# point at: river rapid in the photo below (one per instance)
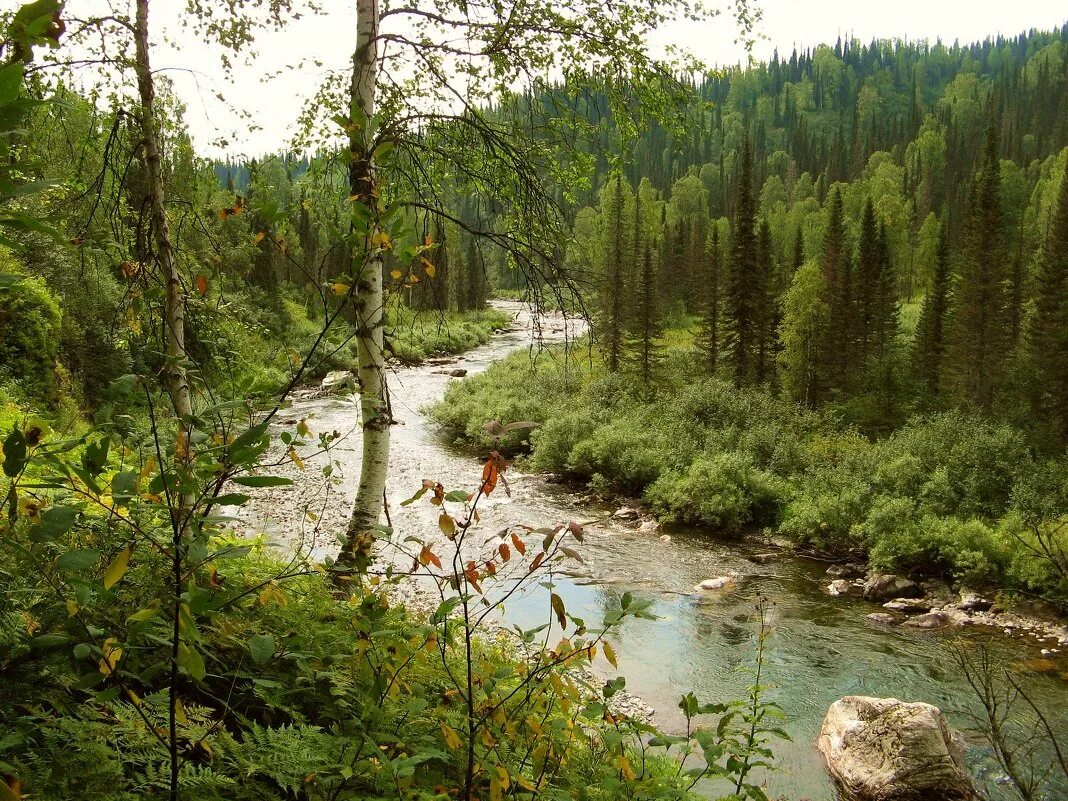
(821, 649)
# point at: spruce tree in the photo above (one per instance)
(930, 331)
(1048, 333)
(616, 235)
(740, 324)
(978, 335)
(868, 268)
(764, 304)
(707, 337)
(836, 266)
(646, 327)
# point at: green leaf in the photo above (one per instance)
(232, 499)
(144, 615)
(262, 648)
(77, 560)
(124, 486)
(190, 660)
(14, 453)
(54, 522)
(50, 641)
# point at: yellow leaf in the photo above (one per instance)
(112, 656)
(381, 240)
(72, 607)
(396, 274)
(447, 525)
(429, 267)
(624, 767)
(10, 792)
(117, 568)
(339, 288)
(260, 236)
(179, 713)
(610, 655)
(296, 458)
(452, 739)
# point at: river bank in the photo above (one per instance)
(823, 648)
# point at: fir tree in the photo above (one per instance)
(836, 267)
(978, 335)
(707, 337)
(615, 233)
(763, 295)
(740, 323)
(930, 331)
(1048, 333)
(646, 327)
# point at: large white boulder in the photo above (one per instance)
(883, 749)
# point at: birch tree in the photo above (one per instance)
(450, 98)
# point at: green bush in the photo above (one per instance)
(726, 491)
(30, 321)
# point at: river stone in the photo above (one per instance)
(883, 749)
(665, 538)
(840, 587)
(338, 381)
(882, 586)
(932, 620)
(649, 527)
(910, 606)
(459, 372)
(626, 513)
(717, 583)
(845, 571)
(973, 602)
(885, 618)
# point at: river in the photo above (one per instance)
(821, 649)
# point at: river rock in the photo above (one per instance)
(717, 583)
(883, 749)
(665, 538)
(882, 586)
(625, 513)
(338, 381)
(973, 602)
(649, 527)
(845, 571)
(840, 587)
(910, 606)
(931, 620)
(885, 618)
(459, 372)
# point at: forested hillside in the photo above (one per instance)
(833, 304)
(871, 225)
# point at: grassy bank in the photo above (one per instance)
(949, 495)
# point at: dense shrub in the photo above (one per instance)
(937, 496)
(30, 320)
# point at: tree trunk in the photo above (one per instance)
(174, 308)
(369, 296)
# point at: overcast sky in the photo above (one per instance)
(276, 103)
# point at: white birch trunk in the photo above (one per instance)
(369, 298)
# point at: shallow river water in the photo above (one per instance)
(822, 648)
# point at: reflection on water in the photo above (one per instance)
(822, 648)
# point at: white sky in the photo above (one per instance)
(276, 103)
